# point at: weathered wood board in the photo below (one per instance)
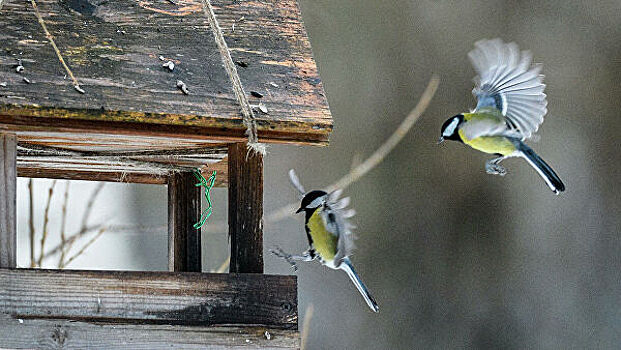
(150, 297)
(8, 191)
(184, 209)
(113, 48)
(245, 210)
(18, 333)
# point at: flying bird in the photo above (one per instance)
(329, 234)
(510, 107)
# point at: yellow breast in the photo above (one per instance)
(490, 144)
(324, 242)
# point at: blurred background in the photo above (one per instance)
(456, 258)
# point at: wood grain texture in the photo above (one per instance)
(245, 209)
(62, 334)
(114, 171)
(150, 297)
(8, 183)
(113, 47)
(184, 210)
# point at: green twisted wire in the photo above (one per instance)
(207, 184)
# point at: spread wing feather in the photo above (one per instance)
(506, 81)
(335, 218)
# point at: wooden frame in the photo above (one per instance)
(133, 124)
(77, 309)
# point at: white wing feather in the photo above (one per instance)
(507, 81)
(295, 181)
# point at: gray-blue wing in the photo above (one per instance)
(335, 216)
(507, 81)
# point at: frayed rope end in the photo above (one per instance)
(256, 148)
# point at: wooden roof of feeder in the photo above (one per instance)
(132, 107)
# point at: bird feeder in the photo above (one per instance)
(137, 91)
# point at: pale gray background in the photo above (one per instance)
(456, 258)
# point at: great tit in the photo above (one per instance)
(329, 234)
(510, 107)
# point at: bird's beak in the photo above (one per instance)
(441, 140)
(299, 210)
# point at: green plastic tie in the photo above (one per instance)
(207, 184)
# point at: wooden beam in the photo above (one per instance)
(79, 172)
(8, 183)
(109, 176)
(184, 210)
(150, 297)
(245, 209)
(61, 334)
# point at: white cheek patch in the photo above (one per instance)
(450, 129)
(316, 202)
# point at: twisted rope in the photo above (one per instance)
(225, 54)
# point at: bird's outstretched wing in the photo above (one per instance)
(507, 81)
(335, 216)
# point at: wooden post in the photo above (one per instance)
(184, 210)
(8, 182)
(245, 209)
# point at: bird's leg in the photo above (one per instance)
(493, 166)
(308, 255)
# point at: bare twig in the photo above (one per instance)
(46, 219)
(109, 229)
(83, 249)
(63, 222)
(308, 316)
(359, 171)
(85, 217)
(31, 235)
(225, 265)
(71, 240)
(361, 168)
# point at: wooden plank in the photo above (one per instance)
(150, 297)
(113, 48)
(62, 334)
(109, 176)
(245, 209)
(55, 169)
(8, 183)
(184, 210)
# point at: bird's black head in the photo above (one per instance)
(312, 200)
(450, 128)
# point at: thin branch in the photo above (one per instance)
(359, 171)
(46, 219)
(225, 265)
(120, 228)
(31, 227)
(85, 217)
(63, 222)
(88, 244)
(308, 316)
(50, 38)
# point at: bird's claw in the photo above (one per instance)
(278, 252)
(495, 169)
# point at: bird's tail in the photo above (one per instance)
(546, 172)
(347, 267)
